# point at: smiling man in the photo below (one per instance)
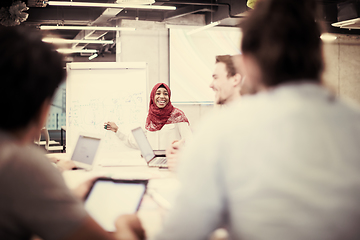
(228, 85)
(227, 80)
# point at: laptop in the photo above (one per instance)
(153, 158)
(85, 151)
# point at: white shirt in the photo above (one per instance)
(283, 164)
(160, 140)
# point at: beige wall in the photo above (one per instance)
(149, 43)
(195, 112)
(342, 69)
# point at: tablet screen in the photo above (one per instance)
(109, 199)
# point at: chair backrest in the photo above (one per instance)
(44, 132)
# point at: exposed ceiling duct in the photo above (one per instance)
(348, 15)
(102, 20)
(338, 15)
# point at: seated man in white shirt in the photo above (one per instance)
(228, 85)
(280, 164)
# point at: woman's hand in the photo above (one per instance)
(111, 126)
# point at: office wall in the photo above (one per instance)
(149, 43)
(342, 72)
(195, 112)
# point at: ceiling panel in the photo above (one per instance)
(229, 12)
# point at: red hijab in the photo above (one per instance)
(158, 117)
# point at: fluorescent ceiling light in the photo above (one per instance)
(109, 5)
(86, 28)
(93, 56)
(350, 24)
(327, 37)
(203, 28)
(80, 50)
(136, 1)
(60, 40)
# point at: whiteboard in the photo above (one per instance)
(99, 92)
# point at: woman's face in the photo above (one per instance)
(161, 98)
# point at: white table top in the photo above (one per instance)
(161, 191)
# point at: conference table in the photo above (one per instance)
(161, 190)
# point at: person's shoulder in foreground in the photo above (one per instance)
(34, 198)
(281, 151)
(282, 164)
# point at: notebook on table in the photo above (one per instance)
(153, 159)
(85, 151)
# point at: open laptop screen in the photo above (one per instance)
(143, 143)
(85, 149)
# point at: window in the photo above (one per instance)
(57, 116)
(192, 60)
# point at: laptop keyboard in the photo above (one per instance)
(160, 161)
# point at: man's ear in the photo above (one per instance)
(237, 80)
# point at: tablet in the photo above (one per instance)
(110, 198)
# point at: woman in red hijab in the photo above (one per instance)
(164, 123)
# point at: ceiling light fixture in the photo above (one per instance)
(60, 40)
(203, 28)
(136, 1)
(350, 24)
(69, 50)
(86, 28)
(93, 56)
(328, 37)
(251, 3)
(109, 5)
